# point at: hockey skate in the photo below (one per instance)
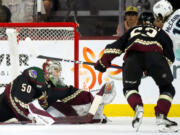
(166, 125)
(137, 121)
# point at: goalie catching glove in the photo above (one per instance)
(109, 93)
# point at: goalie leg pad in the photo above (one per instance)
(99, 113)
(55, 112)
(65, 109)
(95, 104)
(104, 96)
(82, 110)
(109, 93)
(37, 113)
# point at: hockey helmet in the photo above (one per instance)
(146, 17)
(163, 9)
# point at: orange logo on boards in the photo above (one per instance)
(90, 77)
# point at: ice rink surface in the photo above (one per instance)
(117, 126)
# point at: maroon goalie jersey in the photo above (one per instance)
(31, 85)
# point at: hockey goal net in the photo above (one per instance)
(22, 42)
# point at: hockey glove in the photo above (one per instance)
(99, 66)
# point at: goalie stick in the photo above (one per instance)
(61, 120)
(72, 61)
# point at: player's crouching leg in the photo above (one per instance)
(84, 103)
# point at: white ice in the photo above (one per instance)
(117, 126)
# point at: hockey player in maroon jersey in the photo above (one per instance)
(40, 95)
(147, 49)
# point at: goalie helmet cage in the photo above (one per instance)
(46, 31)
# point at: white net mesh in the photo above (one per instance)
(43, 33)
(54, 41)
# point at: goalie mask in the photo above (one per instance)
(53, 70)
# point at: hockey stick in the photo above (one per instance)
(121, 78)
(72, 61)
(114, 77)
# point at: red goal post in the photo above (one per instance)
(44, 32)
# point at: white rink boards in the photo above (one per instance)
(90, 50)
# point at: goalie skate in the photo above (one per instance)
(137, 121)
(166, 125)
